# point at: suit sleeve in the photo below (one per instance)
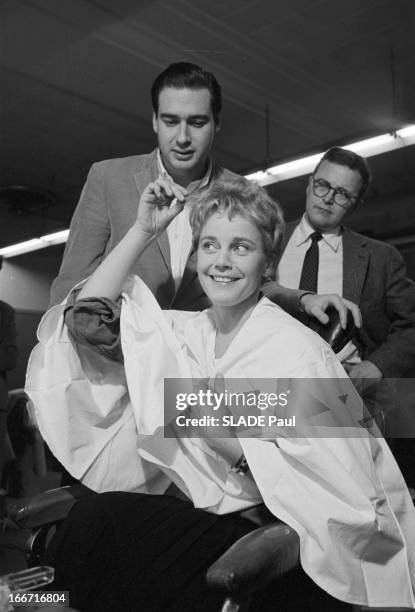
(395, 356)
(88, 237)
(95, 322)
(8, 335)
(287, 299)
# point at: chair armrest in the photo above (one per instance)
(255, 560)
(333, 333)
(47, 507)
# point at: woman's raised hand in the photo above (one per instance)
(160, 202)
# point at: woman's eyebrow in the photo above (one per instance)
(243, 239)
(209, 237)
(234, 239)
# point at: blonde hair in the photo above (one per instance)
(238, 196)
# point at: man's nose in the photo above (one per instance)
(329, 197)
(183, 135)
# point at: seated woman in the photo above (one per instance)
(102, 408)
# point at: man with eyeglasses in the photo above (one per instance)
(320, 251)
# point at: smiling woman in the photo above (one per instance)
(237, 232)
(102, 412)
(231, 261)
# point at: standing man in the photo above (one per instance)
(186, 109)
(186, 104)
(323, 255)
(366, 271)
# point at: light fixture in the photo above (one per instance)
(34, 244)
(281, 172)
(371, 146)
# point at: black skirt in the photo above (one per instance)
(128, 552)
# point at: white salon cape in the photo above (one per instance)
(344, 496)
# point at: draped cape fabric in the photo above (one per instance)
(344, 496)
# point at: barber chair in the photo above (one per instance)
(253, 562)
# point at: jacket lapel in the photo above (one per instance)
(188, 284)
(145, 175)
(355, 262)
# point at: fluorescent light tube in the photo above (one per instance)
(305, 165)
(274, 174)
(34, 244)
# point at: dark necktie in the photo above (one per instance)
(309, 273)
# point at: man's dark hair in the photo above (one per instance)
(184, 75)
(343, 157)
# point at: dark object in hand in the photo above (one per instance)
(332, 332)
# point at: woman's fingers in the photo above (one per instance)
(161, 201)
(180, 192)
(164, 191)
(176, 206)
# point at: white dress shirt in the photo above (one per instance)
(330, 271)
(179, 231)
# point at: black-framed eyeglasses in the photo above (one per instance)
(341, 197)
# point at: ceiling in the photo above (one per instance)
(75, 80)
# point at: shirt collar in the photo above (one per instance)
(304, 230)
(194, 185)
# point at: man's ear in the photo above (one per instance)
(217, 127)
(154, 122)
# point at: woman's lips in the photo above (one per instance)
(223, 279)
